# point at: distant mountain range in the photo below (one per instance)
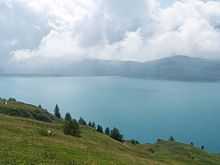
(180, 68)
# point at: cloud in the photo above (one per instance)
(20, 28)
(41, 31)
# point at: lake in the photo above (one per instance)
(142, 109)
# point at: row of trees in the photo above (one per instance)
(172, 139)
(114, 133)
(2, 100)
(72, 126)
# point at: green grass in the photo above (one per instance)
(24, 142)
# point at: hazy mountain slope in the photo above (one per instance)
(181, 68)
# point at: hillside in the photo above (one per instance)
(23, 141)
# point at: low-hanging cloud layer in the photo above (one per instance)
(37, 32)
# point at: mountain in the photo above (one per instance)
(183, 68)
(180, 68)
(26, 141)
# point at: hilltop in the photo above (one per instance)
(23, 141)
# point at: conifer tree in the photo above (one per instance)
(99, 129)
(57, 112)
(68, 117)
(107, 131)
(71, 128)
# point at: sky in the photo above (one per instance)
(38, 32)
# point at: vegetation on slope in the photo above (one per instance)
(26, 141)
(14, 108)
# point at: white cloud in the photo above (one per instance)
(120, 30)
(18, 28)
(188, 28)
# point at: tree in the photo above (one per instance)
(172, 139)
(93, 124)
(90, 124)
(135, 142)
(115, 134)
(12, 99)
(99, 129)
(202, 147)
(68, 117)
(71, 128)
(107, 131)
(57, 112)
(192, 144)
(159, 140)
(82, 121)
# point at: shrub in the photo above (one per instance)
(41, 117)
(151, 150)
(71, 128)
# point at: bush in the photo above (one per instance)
(151, 150)
(115, 134)
(71, 128)
(21, 112)
(42, 117)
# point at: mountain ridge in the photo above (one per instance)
(181, 68)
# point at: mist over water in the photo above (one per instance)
(142, 109)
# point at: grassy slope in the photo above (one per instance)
(21, 142)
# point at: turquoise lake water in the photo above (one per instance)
(142, 109)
